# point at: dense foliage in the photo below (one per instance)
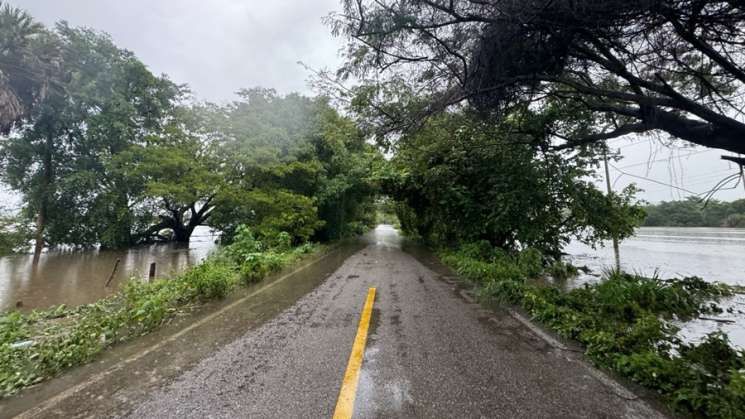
(293, 164)
(14, 234)
(116, 156)
(624, 324)
(693, 212)
(41, 344)
(29, 65)
(58, 159)
(460, 179)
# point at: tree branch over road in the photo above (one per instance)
(678, 64)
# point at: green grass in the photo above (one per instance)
(65, 337)
(624, 323)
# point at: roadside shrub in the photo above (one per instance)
(282, 242)
(210, 280)
(530, 261)
(254, 268)
(258, 265)
(148, 304)
(244, 244)
(480, 250)
(562, 270)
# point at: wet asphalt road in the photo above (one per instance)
(430, 354)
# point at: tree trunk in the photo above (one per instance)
(40, 223)
(182, 234)
(41, 218)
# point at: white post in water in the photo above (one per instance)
(610, 195)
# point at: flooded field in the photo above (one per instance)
(714, 254)
(79, 277)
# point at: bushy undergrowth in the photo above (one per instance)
(40, 344)
(623, 323)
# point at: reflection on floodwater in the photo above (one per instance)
(714, 254)
(385, 235)
(79, 277)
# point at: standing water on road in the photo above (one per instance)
(78, 277)
(714, 254)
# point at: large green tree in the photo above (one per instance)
(179, 177)
(460, 179)
(57, 160)
(293, 164)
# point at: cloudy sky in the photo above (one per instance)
(216, 46)
(219, 46)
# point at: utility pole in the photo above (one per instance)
(616, 252)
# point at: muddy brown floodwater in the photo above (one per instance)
(79, 277)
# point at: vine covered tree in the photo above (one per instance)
(461, 179)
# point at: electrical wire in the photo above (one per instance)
(709, 194)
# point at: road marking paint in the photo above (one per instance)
(348, 392)
(70, 391)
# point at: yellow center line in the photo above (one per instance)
(348, 392)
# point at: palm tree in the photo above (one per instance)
(29, 59)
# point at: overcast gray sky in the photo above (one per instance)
(219, 46)
(215, 46)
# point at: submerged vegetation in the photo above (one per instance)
(41, 344)
(624, 323)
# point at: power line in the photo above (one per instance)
(719, 186)
(698, 179)
(651, 180)
(709, 180)
(649, 162)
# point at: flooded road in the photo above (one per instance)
(714, 254)
(281, 351)
(429, 353)
(79, 277)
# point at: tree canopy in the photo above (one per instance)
(294, 165)
(460, 179)
(636, 66)
(114, 155)
(29, 65)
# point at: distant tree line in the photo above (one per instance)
(693, 212)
